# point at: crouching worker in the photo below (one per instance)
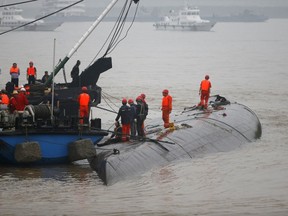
(125, 114)
(116, 136)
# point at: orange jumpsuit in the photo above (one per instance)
(166, 109)
(83, 100)
(205, 92)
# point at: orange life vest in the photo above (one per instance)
(14, 70)
(167, 103)
(5, 99)
(31, 71)
(84, 99)
(205, 85)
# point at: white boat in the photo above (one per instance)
(75, 13)
(188, 19)
(11, 17)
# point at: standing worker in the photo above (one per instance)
(143, 96)
(166, 107)
(133, 126)
(204, 92)
(45, 77)
(75, 73)
(125, 114)
(140, 113)
(84, 100)
(15, 73)
(31, 73)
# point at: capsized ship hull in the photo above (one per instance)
(195, 134)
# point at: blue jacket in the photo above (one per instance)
(125, 114)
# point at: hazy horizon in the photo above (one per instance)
(165, 3)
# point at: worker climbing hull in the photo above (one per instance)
(194, 133)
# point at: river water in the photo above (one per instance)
(247, 63)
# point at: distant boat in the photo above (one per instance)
(11, 17)
(188, 19)
(245, 16)
(76, 13)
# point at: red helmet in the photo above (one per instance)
(165, 91)
(143, 96)
(124, 101)
(207, 77)
(84, 89)
(139, 98)
(130, 101)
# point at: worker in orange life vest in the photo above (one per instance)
(84, 100)
(204, 92)
(15, 73)
(4, 99)
(166, 107)
(31, 73)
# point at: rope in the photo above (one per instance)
(40, 18)
(18, 3)
(117, 30)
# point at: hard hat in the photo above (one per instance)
(130, 101)
(124, 101)
(207, 77)
(143, 96)
(139, 98)
(15, 92)
(23, 89)
(165, 91)
(84, 89)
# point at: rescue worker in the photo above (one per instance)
(45, 77)
(117, 135)
(143, 96)
(204, 92)
(75, 73)
(84, 101)
(13, 103)
(140, 113)
(166, 107)
(21, 100)
(4, 97)
(125, 114)
(31, 73)
(15, 73)
(133, 125)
